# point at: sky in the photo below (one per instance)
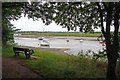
(26, 24)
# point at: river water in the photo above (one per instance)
(74, 46)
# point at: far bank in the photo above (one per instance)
(60, 35)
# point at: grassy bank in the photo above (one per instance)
(7, 51)
(52, 65)
(66, 66)
(75, 34)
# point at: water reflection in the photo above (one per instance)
(75, 46)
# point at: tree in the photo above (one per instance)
(85, 16)
(112, 44)
(10, 11)
(70, 15)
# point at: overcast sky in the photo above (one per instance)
(26, 24)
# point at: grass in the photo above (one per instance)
(52, 65)
(75, 34)
(7, 51)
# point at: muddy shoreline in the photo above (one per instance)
(57, 50)
(51, 50)
(59, 37)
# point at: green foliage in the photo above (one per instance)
(52, 65)
(66, 14)
(7, 51)
(96, 56)
(7, 32)
(9, 12)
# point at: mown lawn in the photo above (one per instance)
(52, 65)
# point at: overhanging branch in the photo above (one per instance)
(12, 5)
(101, 19)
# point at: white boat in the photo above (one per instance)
(40, 38)
(44, 42)
(81, 40)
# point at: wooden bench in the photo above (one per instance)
(26, 51)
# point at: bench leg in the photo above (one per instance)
(27, 56)
(16, 54)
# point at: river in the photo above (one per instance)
(74, 45)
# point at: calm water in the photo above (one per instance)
(75, 46)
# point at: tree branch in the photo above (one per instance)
(116, 25)
(108, 21)
(105, 5)
(12, 5)
(101, 19)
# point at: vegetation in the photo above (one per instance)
(76, 34)
(52, 65)
(7, 51)
(65, 66)
(9, 13)
(83, 15)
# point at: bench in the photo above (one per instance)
(26, 51)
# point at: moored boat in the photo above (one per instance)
(44, 42)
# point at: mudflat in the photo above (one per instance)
(59, 37)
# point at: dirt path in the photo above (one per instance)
(11, 68)
(14, 67)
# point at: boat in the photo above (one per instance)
(44, 42)
(67, 40)
(81, 40)
(40, 38)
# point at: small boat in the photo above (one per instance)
(44, 42)
(67, 40)
(40, 38)
(81, 40)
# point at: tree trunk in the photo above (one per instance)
(111, 68)
(112, 46)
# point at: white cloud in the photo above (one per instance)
(26, 24)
